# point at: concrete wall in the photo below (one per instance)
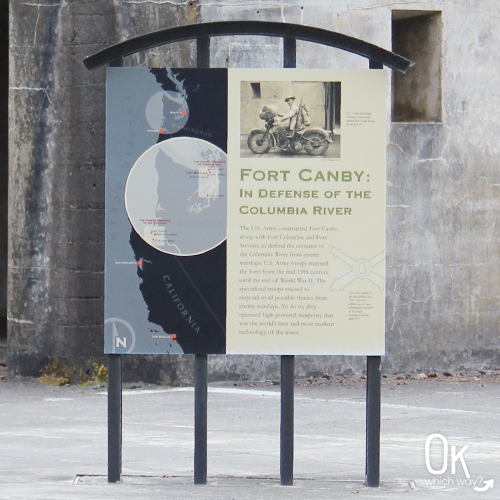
(4, 159)
(56, 182)
(442, 179)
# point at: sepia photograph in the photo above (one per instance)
(292, 119)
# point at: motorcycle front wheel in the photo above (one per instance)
(259, 143)
(315, 143)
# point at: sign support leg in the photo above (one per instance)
(200, 360)
(115, 398)
(203, 52)
(287, 362)
(114, 418)
(286, 430)
(373, 392)
(200, 419)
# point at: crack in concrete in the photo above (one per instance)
(282, 11)
(36, 25)
(350, 30)
(20, 321)
(396, 4)
(425, 160)
(476, 11)
(180, 3)
(433, 3)
(415, 301)
(32, 4)
(119, 20)
(155, 2)
(263, 5)
(398, 146)
(34, 89)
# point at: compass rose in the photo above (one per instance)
(123, 338)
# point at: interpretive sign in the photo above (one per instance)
(306, 227)
(299, 201)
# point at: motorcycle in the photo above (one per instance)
(314, 141)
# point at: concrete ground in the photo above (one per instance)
(53, 440)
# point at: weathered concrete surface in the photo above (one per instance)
(4, 160)
(57, 175)
(442, 197)
(53, 438)
(442, 240)
(56, 250)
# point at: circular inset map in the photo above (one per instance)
(175, 196)
(167, 112)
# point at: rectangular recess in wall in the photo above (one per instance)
(416, 95)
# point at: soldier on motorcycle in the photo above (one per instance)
(291, 115)
(294, 138)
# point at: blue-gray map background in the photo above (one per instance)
(149, 295)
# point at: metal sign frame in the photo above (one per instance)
(378, 58)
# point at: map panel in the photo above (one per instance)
(165, 268)
(176, 196)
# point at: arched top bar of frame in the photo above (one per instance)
(259, 28)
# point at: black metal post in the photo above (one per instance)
(286, 428)
(373, 391)
(203, 52)
(201, 376)
(374, 64)
(287, 362)
(114, 418)
(115, 398)
(200, 419)
(373, 400)
(289, 52)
